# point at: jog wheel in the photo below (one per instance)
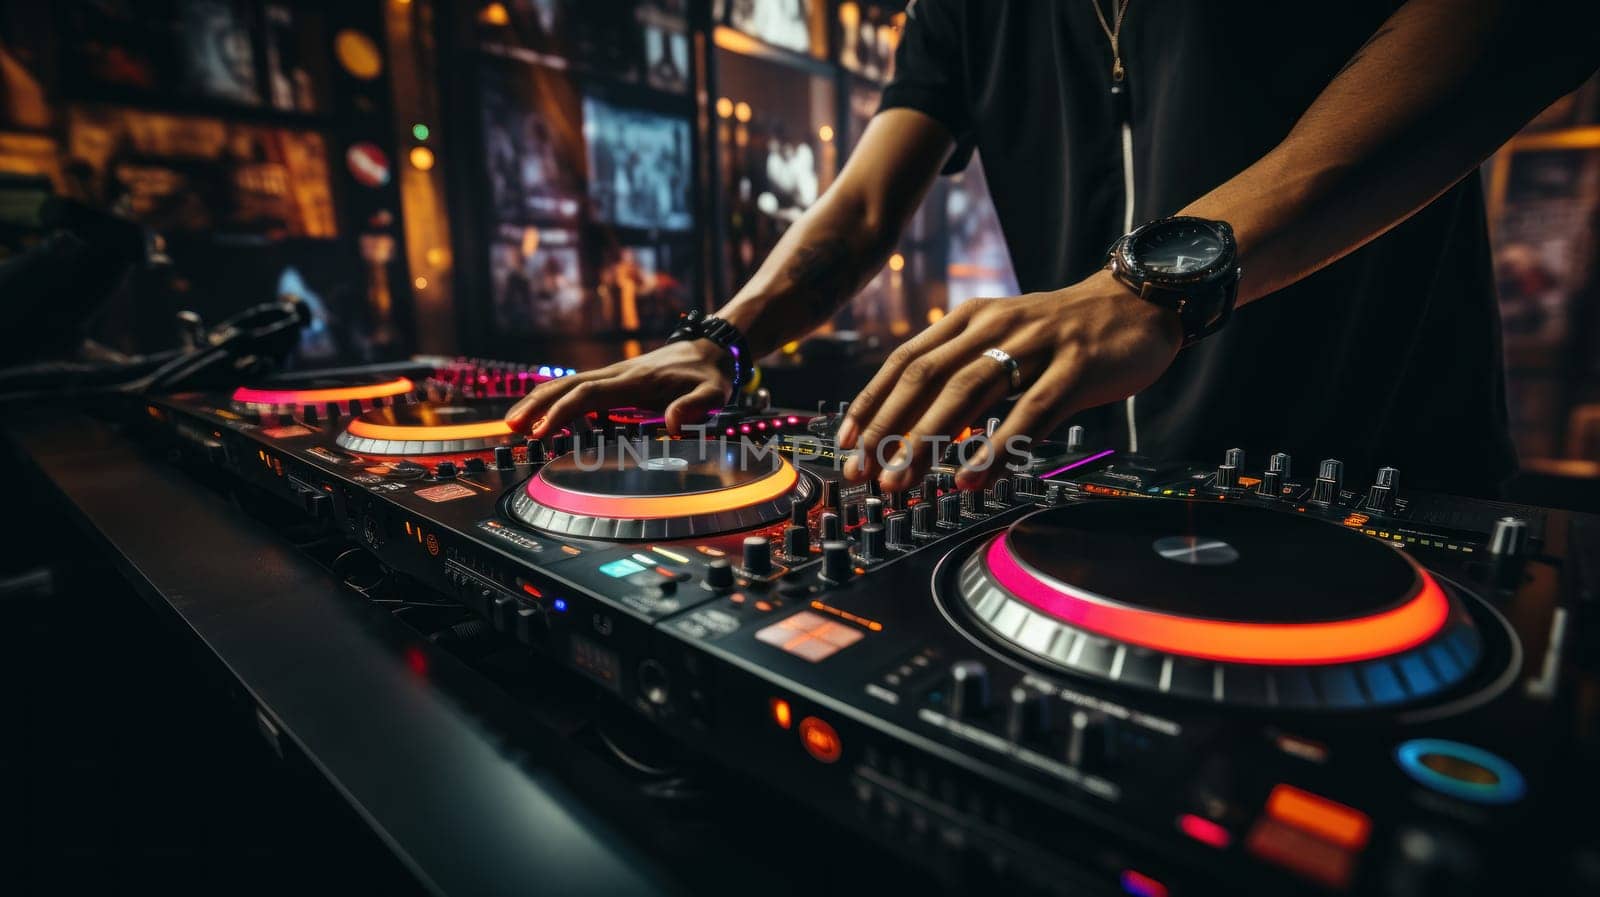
(660, 489)
(326, 396)
(428, 429)
(1224, 603)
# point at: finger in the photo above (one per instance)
(591, 395)
(918, 385)
(972, 389)
(693, 406)
(527, 412)
(871, 396)
(1052, 399)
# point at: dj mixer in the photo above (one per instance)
(1105, 674)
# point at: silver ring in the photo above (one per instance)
(1013, 370)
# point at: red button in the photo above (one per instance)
(820, 740)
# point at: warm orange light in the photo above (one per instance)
(421, 282)
(641, 507)
(741, 111)
(897, 262)
(494, 14)
(825, 133)
(478, 430)
(782, 714)
(421, 158)
(935, 315)
(724, 107)
(820, 740)
(1328, 820)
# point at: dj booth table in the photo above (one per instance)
(473, 792)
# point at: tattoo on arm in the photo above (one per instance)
(823, 273)
(1362, 50)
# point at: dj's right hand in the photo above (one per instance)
(686, 378)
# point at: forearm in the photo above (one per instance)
(818, 264)
(842, 240)
(1437, 89)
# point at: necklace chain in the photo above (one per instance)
(1113, 34)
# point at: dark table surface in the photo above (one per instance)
(454, 777)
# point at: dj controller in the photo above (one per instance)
(1106, 674)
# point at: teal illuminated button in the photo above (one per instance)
(1461, 770)
(621, 568)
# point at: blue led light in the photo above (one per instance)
(1508, 786)
(544, 370)
(560, 605)
(620, 568)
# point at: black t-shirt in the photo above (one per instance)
(1390, 356)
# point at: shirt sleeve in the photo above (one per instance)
(928, 74)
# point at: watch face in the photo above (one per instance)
(1179, 248)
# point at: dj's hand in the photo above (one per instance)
(1085, 345)
(686, 378)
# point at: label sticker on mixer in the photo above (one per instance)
(445, 492)
(286, 432)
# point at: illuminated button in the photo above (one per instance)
(1329, 820)
(1461, 771)
(1301, 852)
(621, 568)
(820, 740)
(782, 714)
(1140, 885)
(1204, 830)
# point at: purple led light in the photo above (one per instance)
(1079, 463)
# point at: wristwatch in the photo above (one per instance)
(1189, 265)
(694, 324)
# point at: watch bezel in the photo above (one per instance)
(1128, 262)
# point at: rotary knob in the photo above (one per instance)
(831, 529)
(1271, 485)
(1227, 476)
(1027, 714)
(930, 487)
(899, 530)
(475, 465)
(1509, 536)
(1279, 462)
(1234, 456)
(796, 541)
(873, 543)
(1088, 739)
(1002, 491)
(797, 514)
(950, 511)
(1028, 485)
(561, 443)
(1075, 439)
(1380, 496)
(1330, 479)
(922, 519)
(874, 511)
(852, 516)
(503, 459)
(972, 501)
(969, 689)
(535, 451)
(757, 556)
(444, 470)
(719, 574)
(836, 566)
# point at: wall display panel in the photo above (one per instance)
(799, 26)
(640, 166)
(531, 118)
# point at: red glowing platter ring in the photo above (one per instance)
(1392, 631)
(647, 507)
(277, 397)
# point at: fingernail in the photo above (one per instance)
(846, 436)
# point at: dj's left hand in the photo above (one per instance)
(1085, 345)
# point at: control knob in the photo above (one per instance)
(899, 530)
(1027, 713)
(930, 487)
(830, 495)
(1271, 485)
(874, 509)
(1234, 456)
(950, 511)
(831, 530)
(719, 574)
(796, 541)
(536, 452)
(1380, 497)
(872, 541)
(972, 501)
(444, 470)
(1075, 439)
(835, 562)
(1279, 462)
(1330, 478)
(503, 459)
(1509, 536)
(757, 556)
(1002, 491)
(969, 689)
(922, 522)
(1227, 476)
